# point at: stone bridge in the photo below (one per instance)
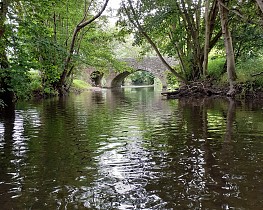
(115, 79)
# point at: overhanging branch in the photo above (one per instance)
(137, 25)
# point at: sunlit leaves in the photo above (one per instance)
(39, 35)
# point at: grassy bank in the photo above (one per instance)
(79, 86)
(248, 71)
(36, 88)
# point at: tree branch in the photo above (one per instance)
(73, 42)
(83, 24)
(137, 25)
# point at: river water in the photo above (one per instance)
(131, 149)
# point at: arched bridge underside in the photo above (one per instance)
(150, 64)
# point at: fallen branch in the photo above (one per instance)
(256, 74)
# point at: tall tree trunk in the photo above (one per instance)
(5, 93)
(179, 50)
(3, 11)
(207, 38)
(260, 4)
(231, 73)
(194, 30)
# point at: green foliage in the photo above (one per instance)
(18, 81)
(250, 71)
(175, 27)
(141, 78)
(36, 85)
(38, 38)
(216, 66)
(38, 34)
(35, 82)
(96, 49)
(172, 80)
(178, 28)
(246, 32)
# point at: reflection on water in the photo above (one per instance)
(130, 149)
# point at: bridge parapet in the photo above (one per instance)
(151, 64)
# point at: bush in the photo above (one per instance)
(216, 67)
(37, 88)
(18, 80)
(172, 80)
(246, 70)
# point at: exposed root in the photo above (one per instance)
(206, 89)
(196, 89)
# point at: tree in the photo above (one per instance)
(231, 73)
(54, 48)
(53, 38)
(260, 4)
(81, 25)
(5, 93)
(3, 12)
(133, 18)
(177, 29)
(211, 11)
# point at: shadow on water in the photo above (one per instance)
(7, 119)
(129, 149)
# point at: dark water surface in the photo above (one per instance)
(129, 149)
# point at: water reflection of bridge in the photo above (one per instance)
(115, 79)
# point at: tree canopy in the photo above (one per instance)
(53, 38)
(189, 30)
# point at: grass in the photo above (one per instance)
(80, 85)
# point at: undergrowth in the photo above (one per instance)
(249, 72)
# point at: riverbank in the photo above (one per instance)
(207, 89)
(246, 90)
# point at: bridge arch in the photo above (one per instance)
(117, 81)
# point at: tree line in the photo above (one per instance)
(58, 38)
(54, 38)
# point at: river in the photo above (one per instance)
(130, 148)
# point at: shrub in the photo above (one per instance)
(249, 71)
(216, 67)
(35, 82)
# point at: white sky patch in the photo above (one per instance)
(112, 8)
(114, 4)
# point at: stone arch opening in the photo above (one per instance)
(140, 77)
(118, 80)
(95, 78)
